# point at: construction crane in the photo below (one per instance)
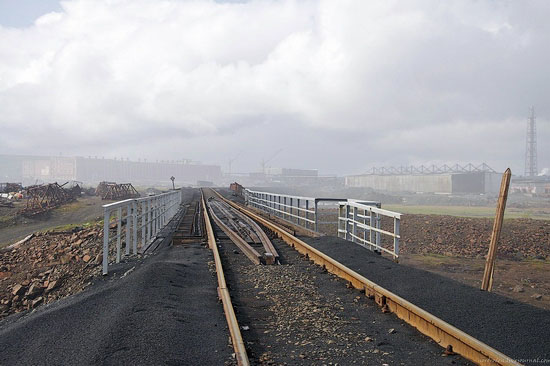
(264, 161)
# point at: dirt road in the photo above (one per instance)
(14, 227)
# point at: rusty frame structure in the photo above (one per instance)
(10, 187)
(114, 191)
(43, 198)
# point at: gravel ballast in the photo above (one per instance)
(296, 313)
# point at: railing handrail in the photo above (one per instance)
(282, 195)
(354, 215)
(154, 213)
(141, 199)
(117, 203)
(374, 209)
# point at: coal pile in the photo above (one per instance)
(47, 267)
(470, 237)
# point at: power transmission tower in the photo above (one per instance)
(531, 146)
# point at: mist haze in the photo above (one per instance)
(338, 86)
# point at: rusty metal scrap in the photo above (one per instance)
(42, 198)
(10, 187)
(101, 189)
(113, 191)
(236, 188)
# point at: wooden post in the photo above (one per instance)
(487, 283)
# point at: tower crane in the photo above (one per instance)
(265, 161)
(231, 160)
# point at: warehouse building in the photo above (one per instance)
(445, 179)
(40, 169)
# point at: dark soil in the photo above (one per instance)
(470, 237)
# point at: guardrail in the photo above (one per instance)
(148, 215)
(360, 223)
(296, 209)
(307, 212)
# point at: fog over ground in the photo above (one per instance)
(340, 86)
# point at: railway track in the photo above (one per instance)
(245, 279)
(244, 232)
(191, 229)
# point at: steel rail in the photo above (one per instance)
(440, 331)
(268, 245)
(250, 252)
(223, 293)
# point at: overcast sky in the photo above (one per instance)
(340, 86)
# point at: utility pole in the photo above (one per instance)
(531, 169)
(487, 283)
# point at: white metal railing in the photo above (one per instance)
(360, 223)
(300, 210)
(309, 212)
(148, 215)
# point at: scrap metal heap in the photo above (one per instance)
(113, 191)
(101, 189)
(10, 187)
(42, 198)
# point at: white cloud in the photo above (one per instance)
(154, 78)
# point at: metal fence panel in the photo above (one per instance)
(361, 223)
(147, 215)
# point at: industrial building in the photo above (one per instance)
(444, 179)
(41, 169)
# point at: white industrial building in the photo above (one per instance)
(446, 179)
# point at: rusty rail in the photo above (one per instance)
(239, 234)
(440, 331)
(223, 293)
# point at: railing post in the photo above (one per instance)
(307, 214)
(340, 217)
(118, 234)
(365, 224)
(149, 222)
(290, 209)
(106, 222)
(134, 227)
(143, 228)
(372, 233)
(347, 222)
(378, 235)
(396, 223)
(316, 214)
(129, 220)
(353, 237)
(155, 216)
(298, 206)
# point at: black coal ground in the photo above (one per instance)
(518, 330)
